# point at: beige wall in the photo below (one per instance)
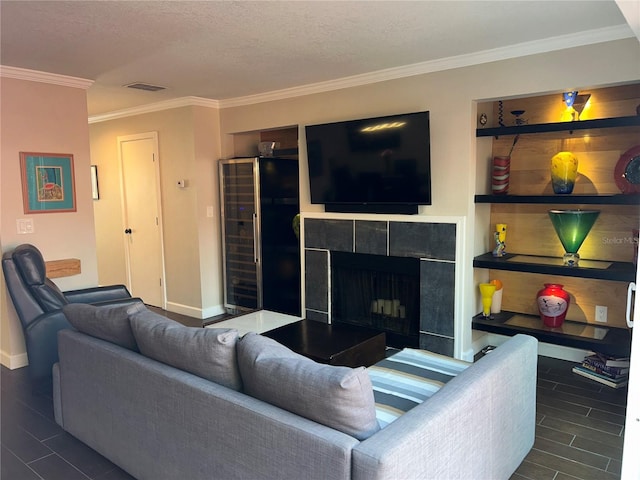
(207, 152)
(39, 117)
(188, 142)
(451, 98)
(52, 118)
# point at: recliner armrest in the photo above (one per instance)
(41, 338)
(118, 301)
(98, 294)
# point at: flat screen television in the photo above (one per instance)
(380, 165)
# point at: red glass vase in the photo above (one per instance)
(500, 175)
(553, 303)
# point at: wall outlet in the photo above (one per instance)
(601, 314)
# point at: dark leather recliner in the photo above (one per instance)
(38, 302)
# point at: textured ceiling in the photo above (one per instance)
(229, 49)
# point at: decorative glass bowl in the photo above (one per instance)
(572, 227)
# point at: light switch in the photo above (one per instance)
(210, 211)
(25, 225)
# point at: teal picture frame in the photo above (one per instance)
(47, 182)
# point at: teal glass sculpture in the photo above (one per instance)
(572, 227)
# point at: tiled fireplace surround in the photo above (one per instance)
(433, 243)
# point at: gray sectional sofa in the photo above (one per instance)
(164, 401)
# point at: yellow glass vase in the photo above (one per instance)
(564, 171)
(486, 292)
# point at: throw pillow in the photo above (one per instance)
(407, 379)
(209, 353)
(106, 322)
(338, 397)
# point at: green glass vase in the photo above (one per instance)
(572, 227)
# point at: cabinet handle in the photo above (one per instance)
(254, 220)
(128, 231)
(630, 289)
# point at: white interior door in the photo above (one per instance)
(631, 452)
(142, 215)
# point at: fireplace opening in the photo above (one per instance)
(377, 292)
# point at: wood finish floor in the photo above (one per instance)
(579, 432)
(580, 427)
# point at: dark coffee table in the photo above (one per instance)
(337, 344)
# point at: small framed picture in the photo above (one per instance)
(95, 192)
(47, 182)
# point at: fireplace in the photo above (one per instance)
(377, 292)
(405, 250)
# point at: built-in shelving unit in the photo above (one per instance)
(612, 199)
(611, 341)
(534, 252)
(603, 270)
(583, 125)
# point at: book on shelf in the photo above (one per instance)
(608, 381)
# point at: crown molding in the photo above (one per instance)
(156, 107)
(44, 77)
(590, 37)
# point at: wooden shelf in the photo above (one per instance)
(560, 126)
(63, 268)
(611, 341)
(285, 152)
(602, 270)
(614, 199)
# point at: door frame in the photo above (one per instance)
(128, 138)
(630, 469)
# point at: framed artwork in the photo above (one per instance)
(95, 192)
(47, 182)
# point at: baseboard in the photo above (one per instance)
(563, 353)
(13, 361)
(195, 312)
(467, 356)
(213, 311)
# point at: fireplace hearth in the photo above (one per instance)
(377, 292)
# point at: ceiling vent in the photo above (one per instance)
(145, 86)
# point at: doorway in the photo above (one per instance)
(142, 217)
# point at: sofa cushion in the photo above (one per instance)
(209, 353)
(338, 397)
(107, 322)
(408, 378)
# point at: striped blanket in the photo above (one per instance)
(408, 378)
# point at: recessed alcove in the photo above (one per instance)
(378, 292)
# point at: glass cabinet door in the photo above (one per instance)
(241, 254)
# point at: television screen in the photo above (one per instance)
(374, 161)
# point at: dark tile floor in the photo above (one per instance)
(580, 427)
(579, 432)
